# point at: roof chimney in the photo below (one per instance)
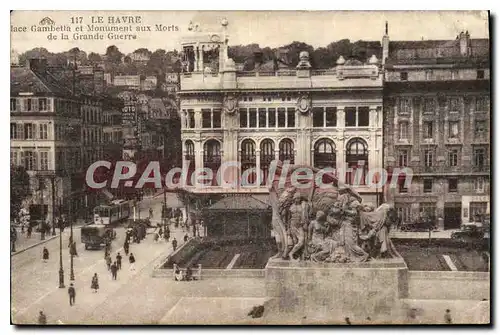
(38, 65)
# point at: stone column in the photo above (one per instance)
(340, 117)
(257, 166)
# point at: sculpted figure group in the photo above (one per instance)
(332, 226)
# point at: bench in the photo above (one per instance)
(181, 273)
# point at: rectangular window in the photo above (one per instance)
(44, 131)
(243, 118)
(480, 74)
(216, 114)
(28, 131)
(479, 184)
(453, 129)
(403, 158)
(318, 120)
(350, 116)
(429, 105)
(331, 116)
(403, 76)
(479, 157)
(44, 160)
(428, 131)
(206, 118)
(13, 131)
(29, 160)
(253, 117)
(428, 209)
(482, 104)
(271, 117)
(281, 117)
(453, 157)
(363, 116)
(290, 117)
(454, 105)
(403, 130)
(13, 104)
(405, 106)
(428, 157)
(479, 128)
(477, 209)
(42, 104)
(28, 105)
(191, 118)
(262, 118)
(427, 185)
(404, 213)
(453, 185)
(13, 158)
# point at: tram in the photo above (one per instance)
(114, 212)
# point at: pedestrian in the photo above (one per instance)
(22, 228)
(151, 213)
(45, 255)
(95, 283)
(72, 294)
(126, 247)
(347, 321)
(30, 229)
(447, 317)
(131, 260)
(174, 244)
(42, 318)
(119, 261)
(186, 237)
(108, 262)
(114, 270)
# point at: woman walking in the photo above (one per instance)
(45, 255)
(131, 260)
(95, 283)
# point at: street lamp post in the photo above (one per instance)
(61, 271)
(72, 273)
(53, 206)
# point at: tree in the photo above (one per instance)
(94, 58)
(19, 189)
(113, 54)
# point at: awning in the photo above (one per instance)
(242, 202)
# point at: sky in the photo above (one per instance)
(266, 28)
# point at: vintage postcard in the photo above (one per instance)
(250, 168)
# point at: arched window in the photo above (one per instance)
(212, 157)
(286, 151)
(266, 157)
(324, 154)
(248, 160)
(190, 159)
(357, 158)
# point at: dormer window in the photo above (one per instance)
(403, 76)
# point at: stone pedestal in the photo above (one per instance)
(333, 291)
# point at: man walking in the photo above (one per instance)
(131, 260)
(45, 255)
(42, 318)
(72, 294)
(126, 247)
(114, 270)
(108, 262)
(186, 238)
(174, 244)
(119, 261)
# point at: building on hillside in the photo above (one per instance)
(319, 117)
(112, 128)
(437, 123)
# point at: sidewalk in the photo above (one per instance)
(23, 243)
(86, 301)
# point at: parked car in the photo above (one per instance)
(470, 232)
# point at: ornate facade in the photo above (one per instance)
(322, 118)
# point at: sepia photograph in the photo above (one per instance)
(250, 168)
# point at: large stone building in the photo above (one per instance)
(437, 123)
(319, 117)
(46, 138)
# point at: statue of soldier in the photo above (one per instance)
(297, 222)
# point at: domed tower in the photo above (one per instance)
(205, 50)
